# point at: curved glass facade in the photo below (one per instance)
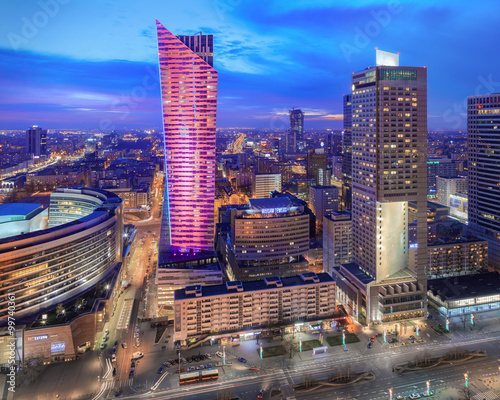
(43, 268)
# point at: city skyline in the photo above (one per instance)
(107, 78)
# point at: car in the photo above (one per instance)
(167, 364)
(219, 354)
(253, 367)
(242, 360)
(399, 397)
(124, 345)
(131, 373)
(229, 363)
(183, 360)
(208, 356)
(209, 365)
(113, 358)
(378, 335)
(393, 340)
(202, 357)
(137, 354)
(412, 337)
(104, 338)
(116, 343)
(200, 367)
(370, 344)
(191, 369)
(179, 370)
(114, 350)
(114, 371)
(103, 345)
(414, 396)
(372, 338)
(431, 393)
(219, 364)
(260, 395)
(160, 370)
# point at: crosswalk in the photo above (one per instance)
(489, 395)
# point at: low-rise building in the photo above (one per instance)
(236, 305)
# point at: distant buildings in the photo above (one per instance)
(317, 163)
(263, 184)
(189, 99)
(323, 200)
(447, 186)
(483, 121)
(36, 141)
(236, 306)
(297, 128)
(439, 167)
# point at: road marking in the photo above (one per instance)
(125, 314)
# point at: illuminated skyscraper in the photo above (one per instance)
(389, 169)
(297, 128)
(189, 100)
(36, 141)
(347, 153)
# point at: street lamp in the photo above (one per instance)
(390, 393)
(472, 319)
(466, 376)
(416, 331)
(261, 352)
(428, 384)
(300, 345)
(385, 336)
(224, 355)
(447, 324)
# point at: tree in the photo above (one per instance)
(290, 345)
(80, 302)
(60, 310)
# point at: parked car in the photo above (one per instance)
(253, 367)
(202, 357)
(114, 350)
(208, 356)
(191, 369)
(431, 393)
(218, 364)
(378, 335)
(372, 338)
(242, 360)
(124, 345)
(370, 345)
(219, 354)
(179, 370)
(412, 337)
(414, 396)
(116, 343)
(113, 358)
(114, 371)
(137, 354)
(160, 370)
(103, 345)
(209, 365)
(200, 367)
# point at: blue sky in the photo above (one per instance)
(93, 64)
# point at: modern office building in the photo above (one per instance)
(447, 186)
(323, 200)
(46, 267)
(458, 297)
(316, 168)
(267, 237)
(245, 306)
(36, 141)
(337, 240)
(297, 127)
(439, 167)
(263, 184)
(483, 145)
(389, 156)
(202, 45)
(347, 153)
(189, 101)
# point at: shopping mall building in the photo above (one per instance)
(55, 258)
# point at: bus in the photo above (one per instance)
(198, 376)
(209, 374)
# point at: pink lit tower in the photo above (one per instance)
(189, 101)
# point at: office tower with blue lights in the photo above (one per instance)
(483, 144)
(389, 155)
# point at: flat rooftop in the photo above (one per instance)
(18, 211)
(358, 273)
(251, 286)
(465, 286)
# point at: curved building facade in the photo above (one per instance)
(42, 268)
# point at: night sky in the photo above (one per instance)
(93, 64)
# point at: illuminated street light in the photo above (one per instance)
(261, 352)
(416, 331)
(300, 345)
(428, 384)
(447, 324)
(390, 393)
(224, 355)
(385, 336)
(466, 376)
(471, 318)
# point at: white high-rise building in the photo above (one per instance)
(264, 184)
(389, 168)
